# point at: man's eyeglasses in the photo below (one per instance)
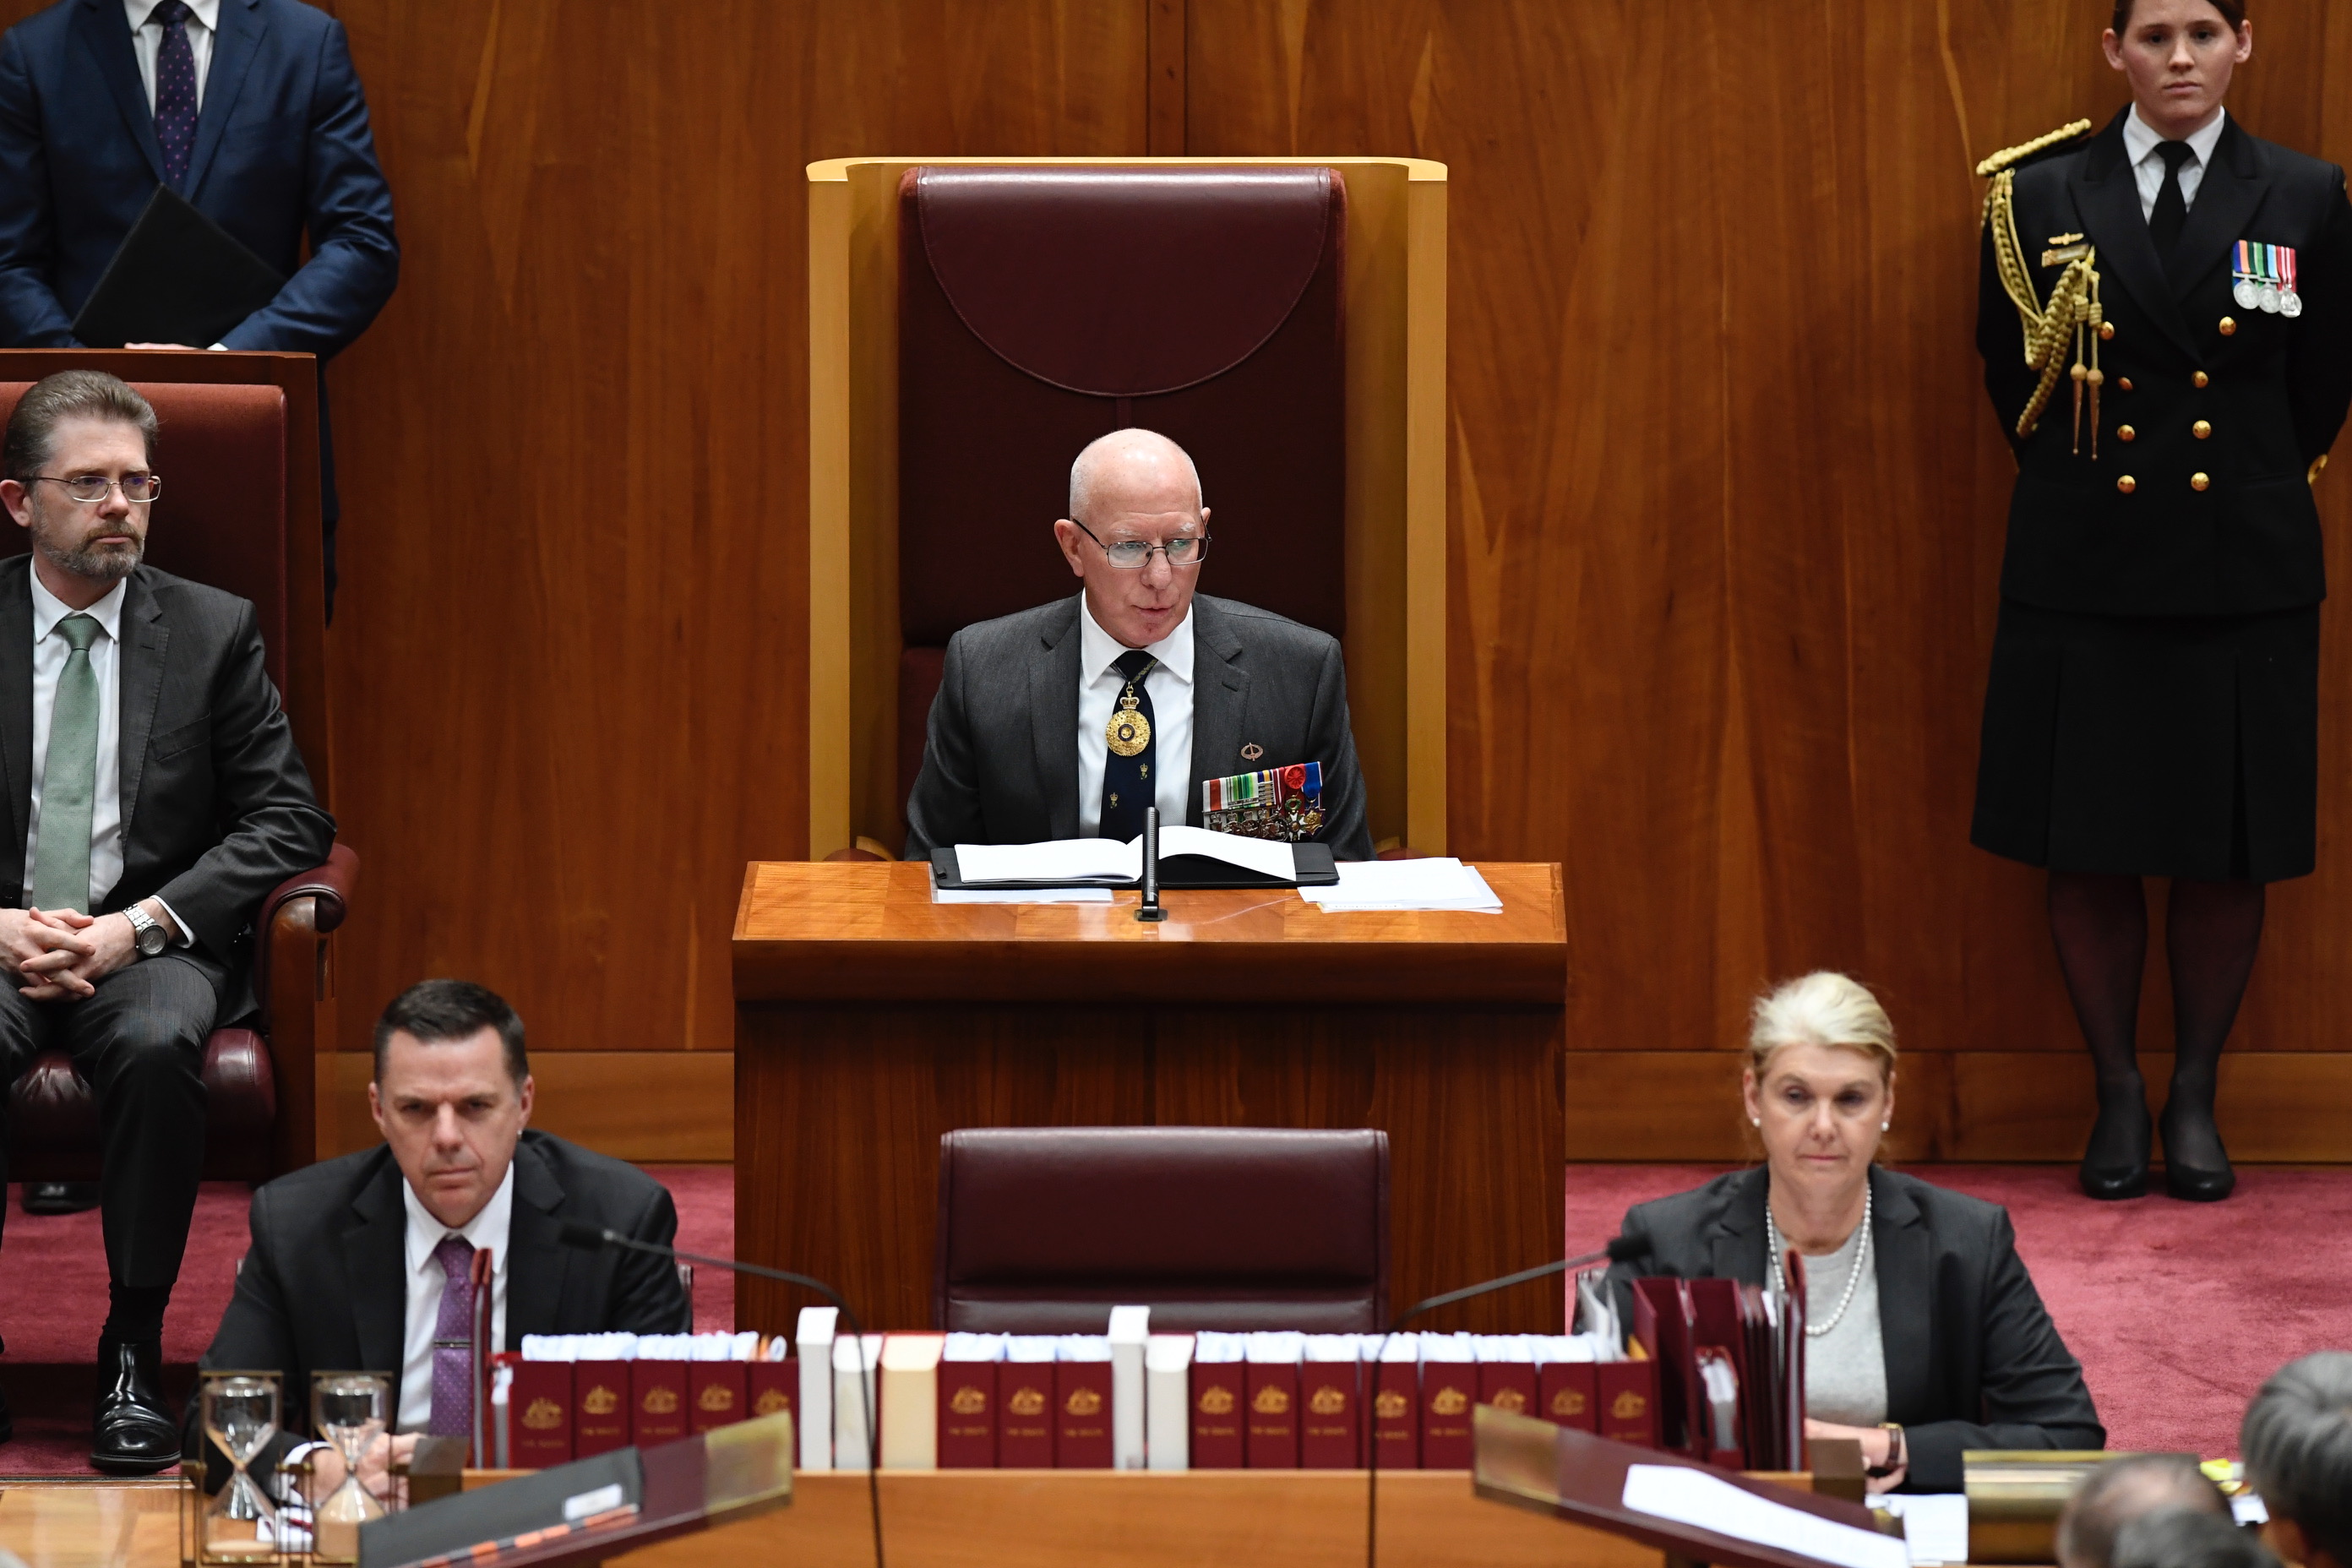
(1132, 555)
(90, 489)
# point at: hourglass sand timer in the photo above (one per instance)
(347, 1409)
(240, 1415)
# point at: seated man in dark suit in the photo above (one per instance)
(362, 1263)
(1019, 748)
(158, 796)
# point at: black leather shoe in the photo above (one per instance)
(2116, 1165)
(60, 1198)
(2190, 1129)
(132, 1432)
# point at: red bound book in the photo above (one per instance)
(1328, 1432)
(1448, 1389)
(1628, 1401)
(539, 1419)
(1273, 1390)
(1508, 1386)
(717, 1393)
(1217, 1400)
(659, 1388)
(968, 1414)
(601, 1419)
(1082, 1415)
(1565, 1394)
(773, 1385)
(1396, 1415)
(1024, 1433)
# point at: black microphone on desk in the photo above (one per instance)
(1150, 908)
(1620, 1249)
(594, 1239)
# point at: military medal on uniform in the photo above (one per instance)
(1128, 731)
(2265, 279)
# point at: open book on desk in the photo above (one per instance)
(1189, 858)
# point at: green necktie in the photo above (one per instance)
(69, 781)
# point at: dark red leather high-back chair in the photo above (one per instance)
(231, 505)
(1040, 308)
(1043, 1229)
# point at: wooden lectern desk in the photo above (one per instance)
(869, 1020)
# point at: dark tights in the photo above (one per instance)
(2212, 932)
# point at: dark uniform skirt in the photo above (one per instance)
(2154, 746)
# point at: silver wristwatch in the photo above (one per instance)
(146, 935)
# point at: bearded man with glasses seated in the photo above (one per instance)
(154, 785)
(1068, 720)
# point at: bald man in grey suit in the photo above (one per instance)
(1016, 750)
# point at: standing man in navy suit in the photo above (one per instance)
(250, 109)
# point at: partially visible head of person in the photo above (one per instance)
(2124, 1489)
(1135, 493)
(1819, 1084)
(452, 1093)
(2178, 56)
(2297, 1443)
(77, 457)
(2190, 1537)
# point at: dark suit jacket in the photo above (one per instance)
(1972, 1360)
(323, 1284)
(2276, 394)
(282, 150)
(1000, 764)
(217, 804)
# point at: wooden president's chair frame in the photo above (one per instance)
(1396, 577)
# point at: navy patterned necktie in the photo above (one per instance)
(1127, 784)
(175, 90)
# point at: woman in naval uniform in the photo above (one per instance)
(2165, 320)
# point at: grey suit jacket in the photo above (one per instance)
(1972, 1358)
(217, 804)
(1000, 764)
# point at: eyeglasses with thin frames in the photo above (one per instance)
(1134, 555)
(91, 488)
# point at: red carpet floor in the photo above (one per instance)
(2177, 1310)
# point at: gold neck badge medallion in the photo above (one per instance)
(1128, 731)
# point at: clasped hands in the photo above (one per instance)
(60, 955)
(1877, 1444)
(376, 1466)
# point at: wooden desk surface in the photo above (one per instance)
(867, 930)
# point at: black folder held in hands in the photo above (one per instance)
(177, 277)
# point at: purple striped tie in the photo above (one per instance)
(453, 1342)
(175, 90)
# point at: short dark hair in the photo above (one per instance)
(2190, 1537)
(435, 1010)
(2297, 1440)
(2232, 12)
(2122, 1491)
(24, 452)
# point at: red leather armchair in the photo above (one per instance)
(240, 511)
(1045, 1229)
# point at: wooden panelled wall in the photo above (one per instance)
(1725, 496)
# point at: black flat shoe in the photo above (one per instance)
(132, 1432)
(2116, 1165)
(2206, 1182)
(60, 1197)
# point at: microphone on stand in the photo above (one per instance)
(1150, 908)
(1620, 1249)
(594, 1239)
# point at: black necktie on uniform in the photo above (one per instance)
(2171, 213)
(1127, 784)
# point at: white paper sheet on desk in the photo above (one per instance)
(1708, 1502)
(1441, 882)
(1935, 1525)
(1020, 895)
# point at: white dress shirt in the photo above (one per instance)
(1169, 684)
(147, 41)
(2140, 142)
(426, 1278)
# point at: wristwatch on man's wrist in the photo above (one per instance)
(146, 934)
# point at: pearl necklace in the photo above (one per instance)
(1853, 1274)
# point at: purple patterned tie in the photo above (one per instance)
(453, 1342)
(175, 90)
